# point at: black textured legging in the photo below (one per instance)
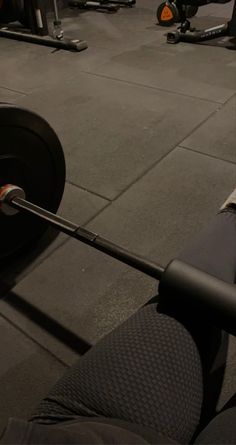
(155, 369)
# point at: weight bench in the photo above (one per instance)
(185, 33)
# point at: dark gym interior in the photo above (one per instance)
(149, 135)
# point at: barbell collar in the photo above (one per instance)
(7, 194)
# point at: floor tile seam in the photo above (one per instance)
(208, 155)
(85, 189)
(13, 90)
(144, 173)
(154, 165)
(31, 338)
(97, 214)
(9, 286)
(62, 244)
(109, 202)
(219, 108)
(45, 258)
(151, 87)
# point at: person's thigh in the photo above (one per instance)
(149, 370)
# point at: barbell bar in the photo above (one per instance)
(13, 198)
(31, 158)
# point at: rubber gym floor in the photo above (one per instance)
(149, 134)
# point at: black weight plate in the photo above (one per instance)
(31, 157)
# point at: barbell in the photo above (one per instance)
(32, 180)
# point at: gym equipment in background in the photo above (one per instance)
(31, 158)
(185, 33)
(101, 5)
(168, 12)
(31, 14)
(13, 10)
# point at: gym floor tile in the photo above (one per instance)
(113, 132)
(112, 31)
(90, 293)
(217, 136)
(194, 70)
(30, 67)
(168, 205)
(86, 60)
(222, 11)
(142, 126)
(81, 289)
(145, 58)
(27, 373)
(25, 72)
(80, 205)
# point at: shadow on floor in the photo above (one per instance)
(49, 324)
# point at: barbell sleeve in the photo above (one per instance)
(184, 285)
